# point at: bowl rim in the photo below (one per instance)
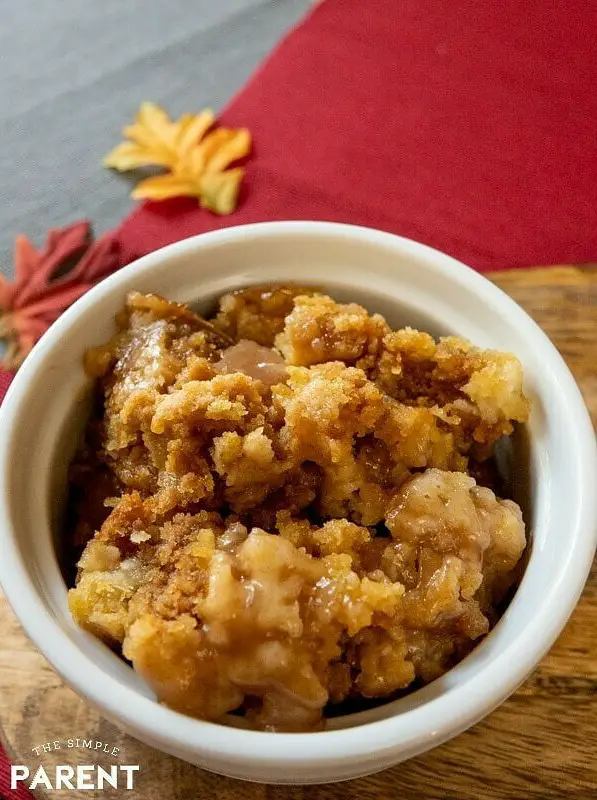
(416, 729)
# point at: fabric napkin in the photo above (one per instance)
(470, 126)
(6, 793)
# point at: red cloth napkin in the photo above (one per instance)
(5, 381)
(467, 125)
(6, 793)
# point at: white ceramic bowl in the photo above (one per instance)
(409, 283)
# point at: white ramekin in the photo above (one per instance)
(44, 410)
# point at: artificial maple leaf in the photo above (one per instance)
(197, 158)
(156, 140)
(47, 282)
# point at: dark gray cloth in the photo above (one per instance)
(73, 72)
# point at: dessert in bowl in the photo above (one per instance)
(276, 505)
(348, 489)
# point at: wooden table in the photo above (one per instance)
(539, 744)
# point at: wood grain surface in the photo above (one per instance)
(539, 744)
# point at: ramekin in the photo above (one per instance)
(44, 411)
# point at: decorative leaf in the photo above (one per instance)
(219, 190)
(224, 146)
(25, 259)
(192, 129)
(190, 151)
(153, 141)
(99, 261)
(46, 283)
(129, 155)
(161, 187)
(62, 247)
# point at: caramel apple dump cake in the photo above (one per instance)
(276, 508)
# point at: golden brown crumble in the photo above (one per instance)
(257, 313)
(281, 510)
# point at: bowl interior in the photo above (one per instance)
(509, 452)
(408, 284)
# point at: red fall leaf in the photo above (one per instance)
(47, 282)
